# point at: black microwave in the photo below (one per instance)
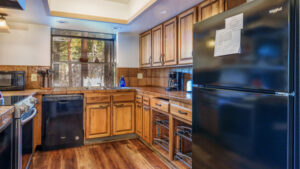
(12, 80)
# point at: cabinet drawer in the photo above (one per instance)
(146, 100)
(181, 112)
(123, 97)
(139, 98)
(97, 99)
(160, 105)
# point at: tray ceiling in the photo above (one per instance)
(114, 11)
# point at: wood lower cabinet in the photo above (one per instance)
(123, 118)
(146, 123)
(186, 21)
(170, 42)
(145, 49)
(157, 46)
(139, 119)
(234, 3)
(210, 8)
(98, 120)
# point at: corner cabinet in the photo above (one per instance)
(210, 8)
(98, 118)
(186, 20)
(146, 49)
(170, 42)
(123, 118)
(157, 46)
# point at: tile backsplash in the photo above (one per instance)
(29, 71)
(156, 77)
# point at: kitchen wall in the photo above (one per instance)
(26, 44)
(156, 77)
(127, 50)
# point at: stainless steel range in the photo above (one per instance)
(22, 129)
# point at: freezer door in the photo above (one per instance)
(263, 63)
(239, 130)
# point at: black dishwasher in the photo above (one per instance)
(62, 121)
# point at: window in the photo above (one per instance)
(82, 59)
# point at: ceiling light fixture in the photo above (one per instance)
(3, 25)
(163, 12)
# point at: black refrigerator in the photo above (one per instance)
(243, 103)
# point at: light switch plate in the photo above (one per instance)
(140, 75)
(33, 77)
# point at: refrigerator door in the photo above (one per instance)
(263, 63)
(239, 130)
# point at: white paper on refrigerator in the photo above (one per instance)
(235, 22)
(227, 42)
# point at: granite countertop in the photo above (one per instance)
(5, 114)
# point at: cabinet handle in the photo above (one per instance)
(181, 112)
(103, 107)
(120, 105)
(150, 59)
(158, 104)
(146, 108)
(138, 98)
(139, 106)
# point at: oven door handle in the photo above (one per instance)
(30, 117)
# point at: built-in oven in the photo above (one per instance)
(6, 144)
(12, 80)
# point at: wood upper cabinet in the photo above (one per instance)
(157, 46)
(139, 119)
(145, 49)
(234, 3)
(98, 120)
(170, 42)
(210, 8)
(123, 118)
(146, 123)
(186, 21)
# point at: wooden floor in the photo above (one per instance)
(127, 154)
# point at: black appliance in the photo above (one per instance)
(12, 80)
(6, 144)
(23, 129)
(175, 81)
(62, 121)
(14, 4)
(243, 103)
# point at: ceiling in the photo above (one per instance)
(37, 12)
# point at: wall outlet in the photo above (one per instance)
(33, 77)
(140, 76)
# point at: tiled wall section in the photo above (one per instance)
(157, 77)
(29, 70)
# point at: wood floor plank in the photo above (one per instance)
(127, 154)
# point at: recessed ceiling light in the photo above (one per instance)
(163, 12)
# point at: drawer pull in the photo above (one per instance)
(120, 105)
(158, 104)
(146, 108)
(139, 106)
(181, 112)
(103, 107)
(138, 98)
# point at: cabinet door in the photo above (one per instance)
(145, 49)
(157, 46)
(210, 8)
(186, 21)
(98, 120)
(146, 123)
(123, 118)
(139, 119)
(170, 42)
(234, 3)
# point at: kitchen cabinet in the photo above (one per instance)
(170, 42)
(145, 49)
(210, 8)
(139, 119)
(123, 118)
(157, 46)
(234, 3)
(98, 119)
(146, 123)
(186, 21)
